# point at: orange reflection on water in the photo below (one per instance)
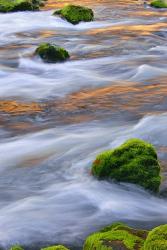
(50, 4)
(18, 108)
(128, 28)
(128, 97)
(46, 33)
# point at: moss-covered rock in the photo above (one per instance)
(58, 247)
(135, 161)
(116, 236)
(15, 5)
(19, 5)
(75, 14)
(16, 247)
(157, 239)
(51, 53)
(159, 3)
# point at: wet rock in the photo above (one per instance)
(157, 239)
(16, 5)
(135, 161)
(51, 53)
(19, 5)
(38, 3)
(75, 14)
(159, 3)
(118, 236)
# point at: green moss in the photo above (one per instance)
(19, 5)
(114, 226)
(58, 247)
(75, 14)
(16, 247)
(159, 4)
(15, 5)
(157, 239)
(51, 53)
(116, 236)
(135, 161)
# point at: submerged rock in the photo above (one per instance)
(52, 53)
(159, 3)
(157, 239)
(58, 247)
(75, 14)
(19, 5)
(135, 161)
(116, 236)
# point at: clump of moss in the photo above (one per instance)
(159, 4)
(116, 236)
(58, 247)
(51, 53)
(19, 5)
(75, 14)
(16, 247)
(157, 239)
(15, 5)
(135, 161)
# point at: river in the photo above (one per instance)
(55, 119)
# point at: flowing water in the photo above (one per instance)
(55, 118)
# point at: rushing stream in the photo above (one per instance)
(113, 88)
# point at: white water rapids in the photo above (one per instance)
(47, 194)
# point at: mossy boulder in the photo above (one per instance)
(58, 247)
(159, 3)
(19, 5)
(16, 247)
(116, 236)
(135, 161)
(51, 53)
(157, 239)
(15, 5)
(75, 14)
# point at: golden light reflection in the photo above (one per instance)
(121, 97)
(59, 3)
(18, 108)
(123, 29)
(88, 104)
(47, 33)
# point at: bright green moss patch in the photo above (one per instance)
(159, 3)
(112, 226)
(16, 247)
(135, 161)
(51, 53)
(116, 236)
(58, 247)
(75, 14)
(157, 239)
